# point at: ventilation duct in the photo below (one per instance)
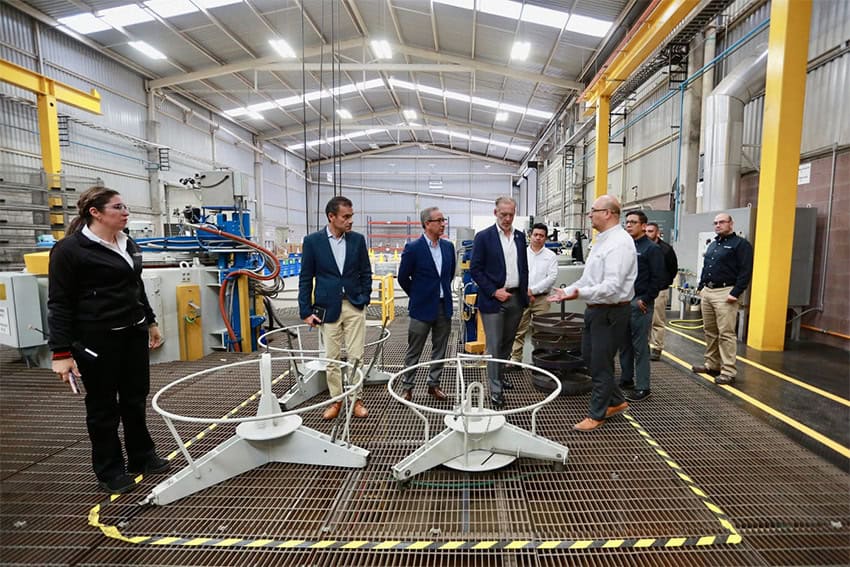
(724, 131)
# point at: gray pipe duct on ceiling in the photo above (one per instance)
(724, 131)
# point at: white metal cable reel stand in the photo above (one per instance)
(476, 438)
(311, 377)
(270, 436)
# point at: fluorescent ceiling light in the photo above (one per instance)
(147, 49)
(468, 4)
(171, 8)
(544, 16)
(124, 16)
(283, 49)
(374, 146)
(480, 101)
(501, 116)
(381, 49)
(588, 26)
(520, 50)
(331, 140)
(298, 99)
(504, 8)
(409, 114)
(461, 135)
(343, 113)
(85, 23)
(254, 115)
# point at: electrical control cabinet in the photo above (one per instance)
(20, 311)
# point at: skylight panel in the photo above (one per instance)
(504, 8)
(381, 49)
(147, 49)
(283, 49)
(85, 23)
(501, 116)
(544, 16)
(409, 114)
(254, 115)
(124, 16)
(343, 113)
(588, 26)
(520, 50)
(171, 8)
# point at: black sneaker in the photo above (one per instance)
(637, 395)
(117, 485)
(507, 384)
(627, 385)
(498, 402)
(154, 465)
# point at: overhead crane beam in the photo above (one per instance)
(48, 92)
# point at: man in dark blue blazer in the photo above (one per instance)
(499, 267)
(425, 274)
(334, 288)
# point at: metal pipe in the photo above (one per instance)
(826, 332)
(824, 262)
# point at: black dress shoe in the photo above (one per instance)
(117, 485)
(627, 385)
(507, 384)
(154, 465)
(498, 402)
(637, 395)
(704, 370)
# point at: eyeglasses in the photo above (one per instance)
(591, 211)
(119, 207)
(441, 220)
(632, 222)
(721, 221)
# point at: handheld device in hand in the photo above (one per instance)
(319, 312)
(72, 381)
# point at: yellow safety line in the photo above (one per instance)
(819, 437)
(809, 387)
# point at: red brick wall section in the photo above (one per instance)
(836, 305)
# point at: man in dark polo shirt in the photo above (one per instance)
(726, 273)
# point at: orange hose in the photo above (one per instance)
(222, 291)
(826, 332)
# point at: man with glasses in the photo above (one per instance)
(726, 272)
(634, 358)
(499, 267)
(607, 285)
(425, 274)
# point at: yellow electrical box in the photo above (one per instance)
(36, 262)
(189, 324)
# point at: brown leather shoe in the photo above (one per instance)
(616, 410)
(704, 370)
(588, 424)
(437, 393)
(332, 411)
(407, 394)
(724, 379)
(360, 410)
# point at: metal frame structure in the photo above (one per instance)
(270, 436)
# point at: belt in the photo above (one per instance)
(511, 289)
(546, 293)
(716, 285)
(601, 305)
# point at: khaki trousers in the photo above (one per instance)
(537, 307)
(659, 319)
(718, 319)
(349, 329)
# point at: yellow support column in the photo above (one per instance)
(189, 313)
(48, 127)
(603, 125)
(788, 46)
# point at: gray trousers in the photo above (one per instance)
(417, 333)
(500, 331)
(634, 357)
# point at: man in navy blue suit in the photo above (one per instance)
(499, 267)
(425, 274)
(334, 288)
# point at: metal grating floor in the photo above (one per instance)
(682, 462)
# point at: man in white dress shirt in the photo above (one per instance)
(607, 285)
(542, 271)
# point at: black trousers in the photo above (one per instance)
(606, 330)
(117, 384)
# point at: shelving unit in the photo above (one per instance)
(395, 230)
